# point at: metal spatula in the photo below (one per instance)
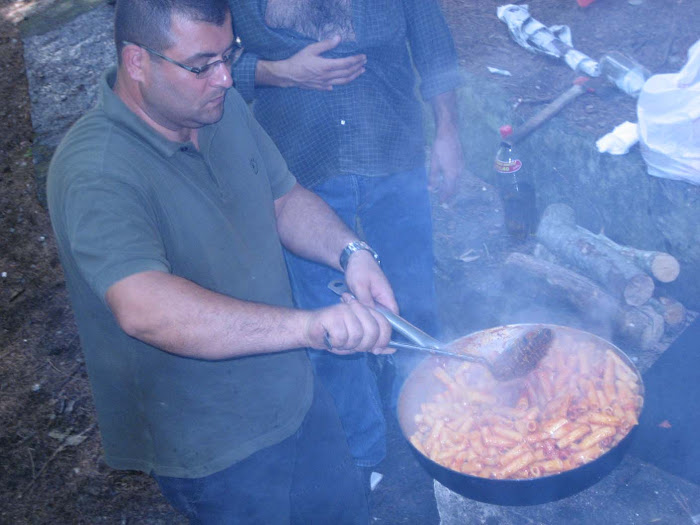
(519, 359)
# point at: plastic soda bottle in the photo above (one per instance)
(625, 72)
(517, 193)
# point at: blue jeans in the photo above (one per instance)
(309, 477)
(392, 213)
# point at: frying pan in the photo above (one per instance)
(422, 385)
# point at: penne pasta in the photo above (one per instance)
(517, 464)
(602, 419)
(579, 403)
(552, 426)
(513, 453)
(551, 465)
(507, 433)
(575, 435)
(596, 437)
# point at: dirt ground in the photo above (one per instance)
(656, 33)
(50, 457)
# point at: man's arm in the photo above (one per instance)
(433, 53)
(183, 318)
(446, 160)
(308, 227)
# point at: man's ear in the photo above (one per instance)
(135, 61)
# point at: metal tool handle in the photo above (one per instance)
(423, 342)
(434, 351)
(398, 323)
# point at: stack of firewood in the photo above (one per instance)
(606, 282)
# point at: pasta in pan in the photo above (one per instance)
(578, 404)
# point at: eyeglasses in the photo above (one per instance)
(200, 72)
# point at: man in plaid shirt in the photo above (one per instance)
(334, 86)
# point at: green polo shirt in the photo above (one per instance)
(123, 199)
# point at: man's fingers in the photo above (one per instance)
(324, 45)
(448, 188)
(325, 79)
(383, 351)
(343, 328)
(334, 65)
(352, 327)
(364, 295)
(377, 330)
(369, 284)
(345, 64)
(434, 174)
(369, 330)
(335, 75)
(346, 77)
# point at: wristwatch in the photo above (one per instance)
(356, 246)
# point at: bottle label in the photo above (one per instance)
(508, 167)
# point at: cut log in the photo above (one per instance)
(584, 250)
(585, 295)
(643, 328)
(641, 323)
(673, 312)
(663, 266)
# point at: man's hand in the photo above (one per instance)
(446, 165)
(354, 326)
(367, 282)
(347, 328)
(307, 69)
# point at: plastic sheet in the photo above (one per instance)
(668, 111)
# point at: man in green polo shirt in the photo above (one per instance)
(171, 206)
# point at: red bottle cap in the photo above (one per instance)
(506, 131)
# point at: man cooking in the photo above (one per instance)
(171, 207)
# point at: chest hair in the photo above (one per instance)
(317, 19)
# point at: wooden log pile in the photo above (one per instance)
(604, 281)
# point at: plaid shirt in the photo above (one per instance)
(372, 126)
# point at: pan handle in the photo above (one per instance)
(398, 323)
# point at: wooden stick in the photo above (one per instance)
(546, 113)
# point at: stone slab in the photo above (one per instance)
(634, 493)
(63, 68)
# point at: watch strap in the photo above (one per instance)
(356, 246)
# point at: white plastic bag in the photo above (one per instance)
(669, 122)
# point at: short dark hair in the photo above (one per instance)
(147, 22)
